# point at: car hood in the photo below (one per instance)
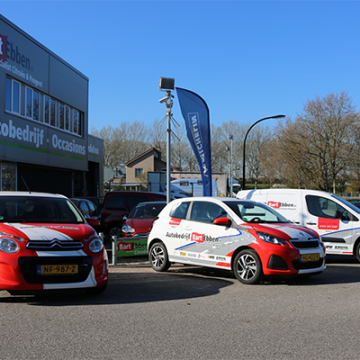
(140, 225)
(289, 230)
(47, 231)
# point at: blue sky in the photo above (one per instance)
(246, 59)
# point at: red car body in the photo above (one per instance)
(49, 255)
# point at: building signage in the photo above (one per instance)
(11, 52)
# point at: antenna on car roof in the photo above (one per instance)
(26, 185)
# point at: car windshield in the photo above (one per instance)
(253, 212)
(347, 203)
(146, 211)
(37, 209)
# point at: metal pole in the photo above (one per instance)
(270, 117)
(168, 149)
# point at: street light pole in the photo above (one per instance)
(266, 118)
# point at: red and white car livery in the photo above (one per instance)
(46, 244)
(247, 237)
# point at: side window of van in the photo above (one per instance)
(326, 208)
(179, 212)
(184, 183)
(117, 202)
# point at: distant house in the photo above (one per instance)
(138, 167)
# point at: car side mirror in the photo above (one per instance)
(93, 222)
(224, 221)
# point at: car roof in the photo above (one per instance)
(31, 194)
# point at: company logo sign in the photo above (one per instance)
(282, 205)
(10, 51)
(274, 204)
(3, 41)
(125, 246)
(199, 238)
(20, 63)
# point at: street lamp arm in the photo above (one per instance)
(247, 133)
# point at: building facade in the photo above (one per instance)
(44, 140)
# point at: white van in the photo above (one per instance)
(335, 220)
(191, 187)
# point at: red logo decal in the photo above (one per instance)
(125, 246)
(328, 224)
(3, 40)
(175, 222)
(199, 238)
(274, 204)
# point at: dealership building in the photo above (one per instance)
(44, 140)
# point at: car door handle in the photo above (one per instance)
(310, 223)
(188, 228)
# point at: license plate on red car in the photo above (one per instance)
(310, 257)
(57, 269)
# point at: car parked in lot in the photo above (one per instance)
(46, 244)
(141, 218)
(118, 204)
(246, 237)
(88, 209)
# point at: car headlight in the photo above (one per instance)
(271, 238)
(127, 229)
(9, 246)
(96, 245)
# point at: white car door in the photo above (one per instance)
(332, 222)
(206, 243)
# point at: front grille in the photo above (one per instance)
(298, 265)
(305, 244)
(29, 269)
(54, 245)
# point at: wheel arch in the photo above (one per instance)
(241, 248)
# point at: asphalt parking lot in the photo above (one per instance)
(189, 313)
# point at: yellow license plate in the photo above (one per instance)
(310, 257)
(58, 269)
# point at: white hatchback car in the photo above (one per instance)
(247, 237)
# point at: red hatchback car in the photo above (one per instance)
(141, 218)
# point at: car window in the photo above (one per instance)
(132, 201)
(180, 211)
(116, 202)
(84, 208)
(93, 209)
(206, 211)
(250, 211)
(158, 198)
(326, 208)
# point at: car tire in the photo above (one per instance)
(247, 267)
(114, 230)
(158, 257)
(357, 251)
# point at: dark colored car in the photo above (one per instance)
(141, 218)
(88, 209)
(118, 204)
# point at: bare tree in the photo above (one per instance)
(320, 142)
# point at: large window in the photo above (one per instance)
(12, 98)
(40, 107)
(8, 177)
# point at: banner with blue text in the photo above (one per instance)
(196, 115)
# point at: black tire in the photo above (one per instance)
(114, 230)
(158, 257)
(357, 251)
(247, 267)
(97, 290)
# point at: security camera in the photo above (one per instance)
(161, 101)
